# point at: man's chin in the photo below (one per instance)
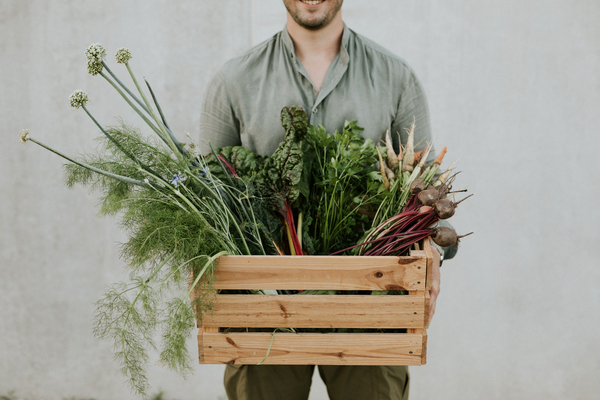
(313, 16)
(311, 24)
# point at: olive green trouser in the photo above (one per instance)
(292, 382)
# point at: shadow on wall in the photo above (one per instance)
(158, 396)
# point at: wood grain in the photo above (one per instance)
(426, 253)
(312, 348)
(315, 311)
(424, 311)
(201, 331)
(321, 272)
(340, 311)
(429, 257)
(427, 305)
(424, 351)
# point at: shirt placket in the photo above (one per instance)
(334, 75)
(309, 91)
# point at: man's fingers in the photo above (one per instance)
(434, 292)
(435, 283)
(431, 311)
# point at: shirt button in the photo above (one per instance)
(314, 110)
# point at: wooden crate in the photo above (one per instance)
(410, 312)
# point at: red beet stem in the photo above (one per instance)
(229, 167)
(401, 243)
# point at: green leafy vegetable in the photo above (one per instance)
(344, 185)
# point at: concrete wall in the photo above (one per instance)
(514, 92)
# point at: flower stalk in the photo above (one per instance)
(121, 178)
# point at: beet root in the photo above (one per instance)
(417, 186)
(446, 237)
(429, 196)
(444, 208)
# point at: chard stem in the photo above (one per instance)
(300, 229)
(289, 237)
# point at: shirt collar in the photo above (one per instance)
(289, 44)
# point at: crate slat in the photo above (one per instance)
(411, 273)
(424, 351)
(321, 273)
(427, 254)
(313, 348)
(316, 311)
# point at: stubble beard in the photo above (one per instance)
(314, 24)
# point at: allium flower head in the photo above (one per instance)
(95, 54)
(123, 55)
(94, 67)
(78, 98)
(24, 135)
(95, 51)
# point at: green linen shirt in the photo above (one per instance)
(365, 82)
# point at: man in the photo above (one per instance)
(336, 75)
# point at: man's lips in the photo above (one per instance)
(312, 2)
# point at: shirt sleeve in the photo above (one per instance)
(413, 107)
(218, 123)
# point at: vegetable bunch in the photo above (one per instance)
(415, 199)
(318, 193)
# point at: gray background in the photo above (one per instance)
(514, 92)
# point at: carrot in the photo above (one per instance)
(399, 148)
(440, 157)
(409, 149)
(390, 174)
(386, 181)
(418, 156)
(445, 175)
(424, 154)
(392, 158)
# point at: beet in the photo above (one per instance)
(428, 197)
(446, 237)
(417, 186)
(444, 208)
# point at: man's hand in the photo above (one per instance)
(435, 283)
